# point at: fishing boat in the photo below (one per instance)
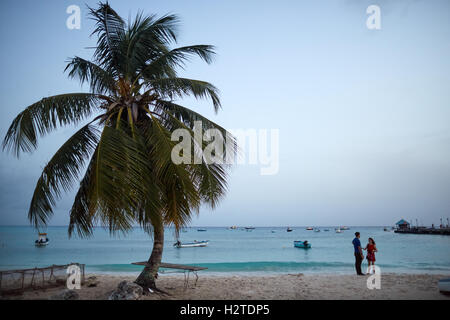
(302, 244)
(194, 244)
(289, 229)
(42, 240)
(201, 230)
(309, 228)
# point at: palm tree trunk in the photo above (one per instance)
(148, 276)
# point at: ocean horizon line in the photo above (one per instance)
(227, 226)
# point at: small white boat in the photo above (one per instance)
(317, 230)
(444, 285)
(194, 244)
(338, 230)
(42, 240)
(345, 228)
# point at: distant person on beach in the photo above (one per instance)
(359, 257)
(371, 249)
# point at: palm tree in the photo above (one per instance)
(126, 145)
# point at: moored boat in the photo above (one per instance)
(289, 229)
(316, 230)
(196, 243)
(42, 240)
(338, 230)
(302, 244)
(202, 230)
(309, 228)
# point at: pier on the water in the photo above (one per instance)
(404, 226)
(424, 230)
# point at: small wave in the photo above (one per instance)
(276, 267)
(256, 266)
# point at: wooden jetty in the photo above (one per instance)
(404, 226)
(424, 230)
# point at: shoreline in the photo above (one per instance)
(225, 274)
(290, 286)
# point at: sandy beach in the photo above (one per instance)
(279, 287)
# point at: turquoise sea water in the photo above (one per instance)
(235, 251)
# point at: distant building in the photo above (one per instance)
(402, 224)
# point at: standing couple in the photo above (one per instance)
(359, 256)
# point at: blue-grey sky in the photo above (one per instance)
(363, 115)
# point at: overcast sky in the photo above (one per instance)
(363, 115)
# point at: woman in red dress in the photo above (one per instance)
(371, 249)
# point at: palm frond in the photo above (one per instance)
(147, 38)
(123, 179)
(212, 182)
(210, 178)
(82, 214)
(186, 115)
(60, 172)
(166, 63)
(100, 81)
(44, 116)
(110, 30)
(179, 191)
(176, 116)
(181, 87)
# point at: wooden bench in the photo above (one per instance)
(185, 269)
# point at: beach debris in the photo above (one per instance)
(92, 281)
(127, 291)
(66, 294)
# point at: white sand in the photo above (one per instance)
(286, 286)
